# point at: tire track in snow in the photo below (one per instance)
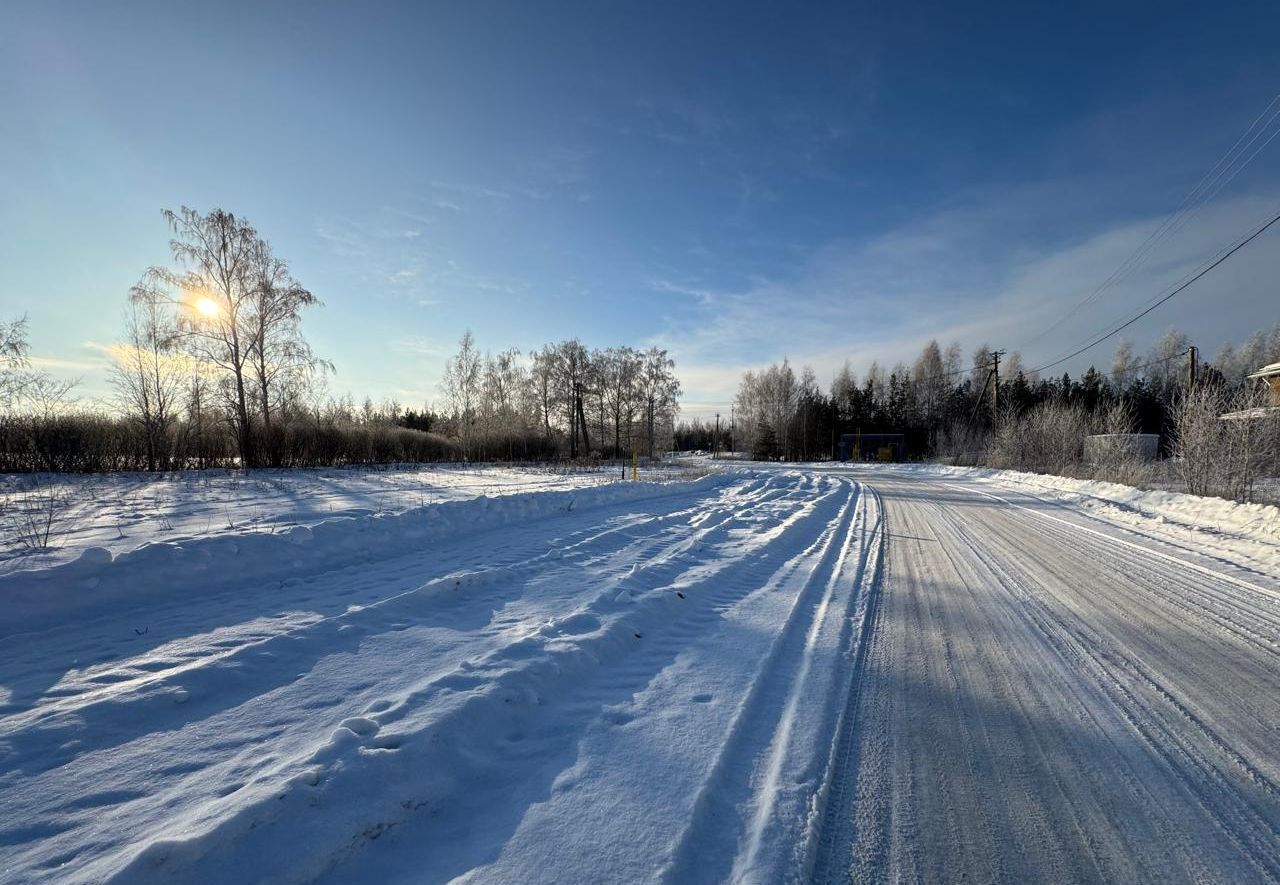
(229, 687)
(717, 818)
(161, 681)
(538, 674)
(760, 807)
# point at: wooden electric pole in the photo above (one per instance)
(995, 387)
(715, 440)
(1193, 356)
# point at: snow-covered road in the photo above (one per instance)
(1049, 697)
(761, 676)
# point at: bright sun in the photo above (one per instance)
(207, 306)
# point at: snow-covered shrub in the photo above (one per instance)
(1225, 441)
(36, 516)
(962, 444)
(1047, 439)
(1121, 463)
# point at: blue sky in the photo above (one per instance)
(737, 183)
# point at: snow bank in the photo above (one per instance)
(1179, 507)
(1250, 531)
(121, 511)
(33, 599)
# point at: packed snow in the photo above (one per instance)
(758, 675)
(1245, 535)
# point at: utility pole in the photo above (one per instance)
(995, 388)
(732, 421)
(982, 394)
(715, 440)
(1193, 357)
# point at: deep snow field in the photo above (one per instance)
(761, 674)
(493, 687)
(122, 511)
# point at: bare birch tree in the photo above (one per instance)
(13, 361)
(279, 357)
(619, 371)
(462, 389)
(659, 390)
(148, 373)
(238, 311)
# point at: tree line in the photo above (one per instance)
(213, 369)
(563, 399)
(950, 409)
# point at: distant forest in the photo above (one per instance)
(946, 408)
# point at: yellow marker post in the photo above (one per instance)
(635, 467)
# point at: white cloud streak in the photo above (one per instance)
(959, 275)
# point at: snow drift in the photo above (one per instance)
(32, 599)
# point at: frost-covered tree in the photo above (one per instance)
(545, 393)
(574, 373)
(237, 311)
(149, 372)
(501, 407)
(618, 373)
(462, 389)
(280, 357)
(659, 391)
(928, 374)
(1124, 364)
(14, 354)
(1165, 364)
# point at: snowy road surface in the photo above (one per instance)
(1049, 698)
(771, 676)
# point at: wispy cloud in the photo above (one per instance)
(62, 364)
(701, 295)
(470, 190)
(959, 275)
(420, 346)
(682, 119)
(342, 240)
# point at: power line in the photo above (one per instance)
(951, 374)
(1129, 322)
(1219, 176)
(1138, 368)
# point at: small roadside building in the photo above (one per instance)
(872, 447)
(1270, 376)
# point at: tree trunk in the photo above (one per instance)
(650, 428)
(242, 418)
(582, 419)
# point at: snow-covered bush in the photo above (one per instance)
(1047, 439)
(1225, 441)
(34, 517)
(1121, 463)
(962, 444)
